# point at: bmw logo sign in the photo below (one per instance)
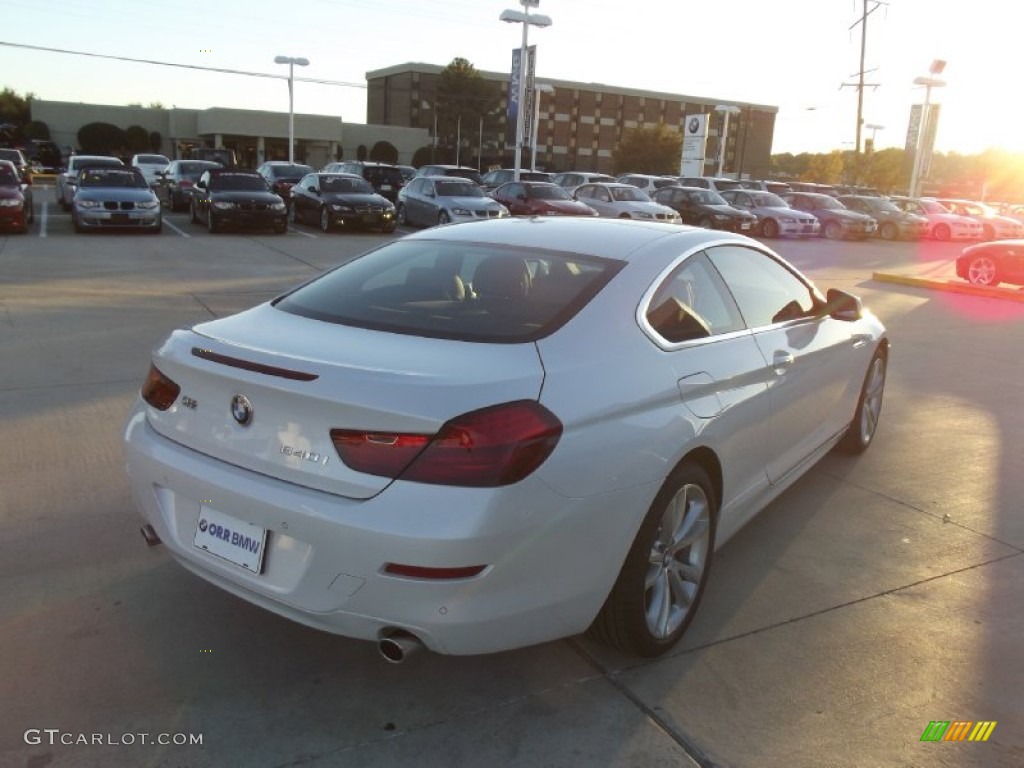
(241, 410)
(694, 124)
(203, 525)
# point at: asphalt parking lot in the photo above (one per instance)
(877, 595)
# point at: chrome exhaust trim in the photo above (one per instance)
(396, 646)
(149, 534)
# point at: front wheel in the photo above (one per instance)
(705, 222)
(981, 270)
(662, 580)
(861, 431)
(211, 223)
(889, 231)
(325, 219)
(293, 213)
(400, 214)
(444, 218)
(942, 232)
(193, 214)
(833, 231)
(770, 228)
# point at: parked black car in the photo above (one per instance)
(282, 175)
(340, 200)
(1001, 261)
(177, 181)
(460, 171)
(386, 179)
(705, 208)
(237, 198)
(837, 221)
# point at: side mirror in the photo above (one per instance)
(843, 306)
(200, 184)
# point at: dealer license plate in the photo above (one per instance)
(231, 539)
(744, 225)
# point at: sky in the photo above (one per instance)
(793, 54)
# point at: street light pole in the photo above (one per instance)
(526, 20)
(291, 61)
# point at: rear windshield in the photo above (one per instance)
(237, 181)
(465, 173)
(466, 291)
(290, 171)
(196, 168)
(378, 176)
(152, 159)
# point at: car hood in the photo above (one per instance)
(564, 206)
(11, 193)
(119, 194)
(774, 210)
(642, 206)
(848, 215)
(355, 198)
(727, 209)
(244, 196)
(473, 203)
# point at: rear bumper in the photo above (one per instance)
(547, 560)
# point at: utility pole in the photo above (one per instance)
(860, 85)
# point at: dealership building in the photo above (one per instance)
(578, 125)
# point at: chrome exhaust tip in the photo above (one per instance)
(397, 646)
(149, 534)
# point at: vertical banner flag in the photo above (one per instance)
(695, 141)
(529, 104)
(512, 111)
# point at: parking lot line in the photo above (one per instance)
(181, 232)
(299, 232)
(42, 219)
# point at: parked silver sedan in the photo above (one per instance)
(624, 201)
(429, 200)
(115, 198)
(482, 437)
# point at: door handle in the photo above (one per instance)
(860, 339)
(781, 361)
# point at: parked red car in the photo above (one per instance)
(539, 198)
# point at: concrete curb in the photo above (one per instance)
(951, 286)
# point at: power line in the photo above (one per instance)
(221, 70)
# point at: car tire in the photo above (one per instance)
(388, 229)
(770, 228)
(705, 222)
(444, 218)
(325, 219)
(400, 215)
(833, 230)
(211, 222)
(888, 231)
(662, 580)
(75, 224)
(281, 227)
(861, 432)
(293, 214)
(193, 215)
(941, 232)
(982, 270)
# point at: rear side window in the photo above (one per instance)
(693, 303)
(465, 291)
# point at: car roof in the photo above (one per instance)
(615, 239)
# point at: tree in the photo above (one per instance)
(825, 169)
(15, 108)
(156, 141)
(463, 98)
(384, 152)
(101, 139)
(361, 152)
(648, 150)
(37, 129)
(136, 139)
(885, 171)
(421, 156)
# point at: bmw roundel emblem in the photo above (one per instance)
(203, 525)
(694, 124)
(241, 410)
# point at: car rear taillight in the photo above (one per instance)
(493, 446)
(158, 390)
